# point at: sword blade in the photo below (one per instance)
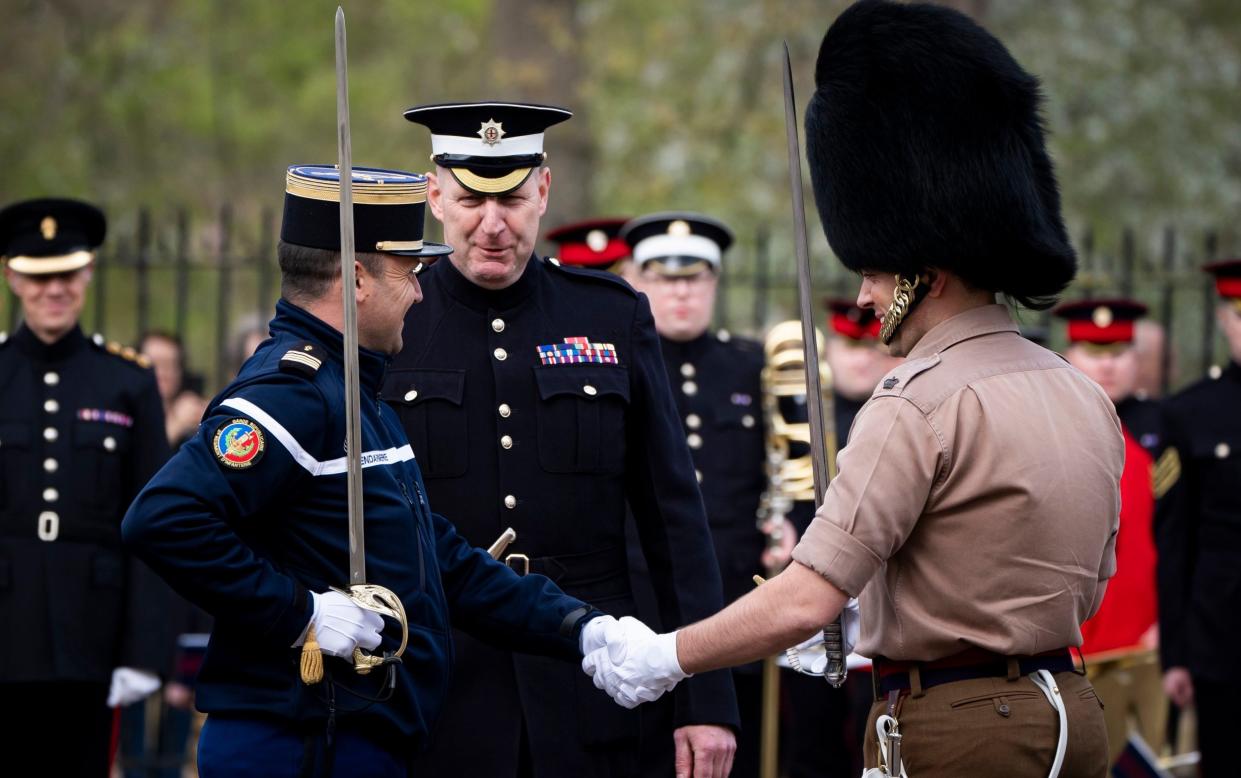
(836, 668)
(810, 345)
(353, 424)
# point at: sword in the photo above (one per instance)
(832, 633)
(369, 596)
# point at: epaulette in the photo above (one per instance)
(302, 359)
(127, 353)
(603, 276)
(896, 381)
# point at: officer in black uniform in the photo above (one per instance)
(716, 380)
(81, 430)
(1199, 535)
(535, 397)
(249, 520)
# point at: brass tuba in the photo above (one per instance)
(790, 476)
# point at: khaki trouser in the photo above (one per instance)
(996, 727)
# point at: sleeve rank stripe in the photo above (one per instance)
(313, 466)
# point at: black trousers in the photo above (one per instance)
(1218, 722)
(61, 728)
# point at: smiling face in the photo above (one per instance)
(383, 300)
(51, 303)
(492, 236)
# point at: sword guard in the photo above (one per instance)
(381, 600)
(833, 641)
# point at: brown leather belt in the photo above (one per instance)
(890, 675)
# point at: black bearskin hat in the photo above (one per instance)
(926, 149)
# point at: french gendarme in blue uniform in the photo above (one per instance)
(250, 517)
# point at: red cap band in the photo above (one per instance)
(1228, 287)
(843, 325)
(582, 254)
(1089, 332)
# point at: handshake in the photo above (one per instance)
(629, 661)
(634, 665)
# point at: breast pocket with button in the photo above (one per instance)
(581, 418)
(430, 404)
(100, 451)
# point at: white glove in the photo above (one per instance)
(341, 625)
(809, 657)
(130, 685)
(634, 665)
(594, 635)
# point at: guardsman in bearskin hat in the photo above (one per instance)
(249, 520)
(975, 509)
(535, 396)
(1198, 526)
(81, 430)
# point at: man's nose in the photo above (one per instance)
(864, 300)
(493, 217)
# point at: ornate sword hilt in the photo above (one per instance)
(381, 600)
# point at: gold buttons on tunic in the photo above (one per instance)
(690, 388)
(50, 434)
(1222, 451)
(50, 405)
(50, 494)
(590, 390)
(505, 410)
(747, 421)
(109, 443)
(687, 370)
(506, 441)
(49, 525)
(50, 465)
(693, 421)
(510, 501)
(411, 395)
(51, 378)
(500, 354)
(694, 440)
(497, 325)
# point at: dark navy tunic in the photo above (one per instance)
(555, 451)
(81, 430)
(248, 535)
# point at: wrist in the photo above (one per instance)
(669, 661)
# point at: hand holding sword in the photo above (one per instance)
(370, 598)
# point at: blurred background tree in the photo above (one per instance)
(201, 103)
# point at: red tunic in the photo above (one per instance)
(1128, 608)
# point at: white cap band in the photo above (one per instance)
(508, 146)
(658, 246)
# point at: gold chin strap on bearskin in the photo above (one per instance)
(902, 301)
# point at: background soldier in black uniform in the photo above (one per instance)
(535, 397)
(1199, 534)
(81, 431)
(716, 380)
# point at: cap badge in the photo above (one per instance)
(1102, 317)
(48, 228)
(491, 132)
(597, 240)
(679, 228)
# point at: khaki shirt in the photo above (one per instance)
(977, 502)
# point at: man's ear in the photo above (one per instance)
(434, 193)
(934, 281)
(545, 185)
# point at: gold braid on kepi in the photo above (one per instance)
(902, 301)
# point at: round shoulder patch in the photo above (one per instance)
(238, 444)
